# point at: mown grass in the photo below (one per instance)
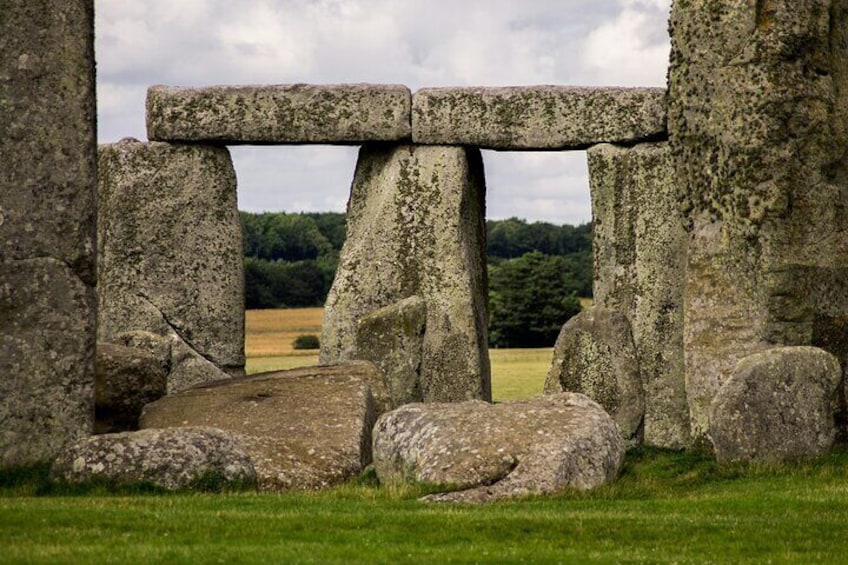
(666, 508)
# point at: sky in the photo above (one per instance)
(419, 43)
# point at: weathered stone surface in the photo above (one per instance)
(393, 339)
(537, 117)
(757, 124)
(497, 451)
(169, 458)
(47, 203)
(346, 114)
(415, 227)
(171, 255)
(127, 379)
(46, 399)
(777, 406)
(595, 355)
(640, 262)
(304, 429)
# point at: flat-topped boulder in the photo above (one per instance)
(307, 428)
(495, 451)
(343, 114)
(537, 117)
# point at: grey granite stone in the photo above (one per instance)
(346, 114)
(537, 117)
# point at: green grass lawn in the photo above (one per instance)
(666, 508)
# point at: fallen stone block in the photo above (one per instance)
(494, 451)
(170, 255)
(777, 406)
(416, 227)
(307, 428)
(173, 459)
(537, 117)
(393, 339)
(127, 378)
(346, 114)
(595, 355)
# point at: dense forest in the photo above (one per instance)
(537, 270)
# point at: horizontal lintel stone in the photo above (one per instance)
(344, 114)
(537, 117)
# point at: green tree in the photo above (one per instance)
(530, 298)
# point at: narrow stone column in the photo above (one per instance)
(171, 254)
(640, 261)
(416, 226)
(757, 123)
(47, 225)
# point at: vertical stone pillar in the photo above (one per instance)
(640, 260)
(47, 227)
(170, 254)
(416, 227)
(757, 124)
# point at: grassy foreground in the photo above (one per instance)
(516, 373)
(666, 508)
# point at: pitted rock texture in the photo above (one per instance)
(173, 459)
(777, 406)
(416, 227)
(640, 262)
(495, 451)
(537, 117)
(393, 339)
(307, 428)
(170, 258)
(346, 114)
(595, 355)
(127, 378)
(47, 227)
(757, 114)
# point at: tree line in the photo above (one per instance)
(537, 271)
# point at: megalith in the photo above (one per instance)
(393, 339)
(170, 258)
(757, 126)
(416, 226)
(640, 259)
(47, 227)
(595, 355)
(777, 406)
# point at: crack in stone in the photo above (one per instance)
(175, 329)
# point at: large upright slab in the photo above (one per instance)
(415, 226)
(47, 227)
(171, 254)
(343, 114)
(757, 123)
(537, 117)
(640, 261)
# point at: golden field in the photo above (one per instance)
(516, 373)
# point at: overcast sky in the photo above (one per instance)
(418, 43)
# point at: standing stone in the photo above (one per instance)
(595, 355)
(757, 123)
(393, 339)
(777, 406)
(47, 227)
(171, 254)
(416, 226)
(640, 261)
